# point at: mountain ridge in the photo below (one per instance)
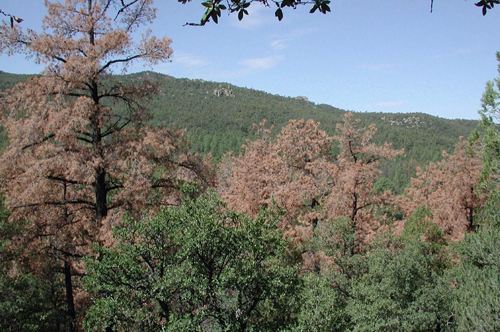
(219, 117)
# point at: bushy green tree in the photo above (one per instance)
(195, 267)
(327, 287)
(395, 284)
(402, 290)
(420, 225)
(488, 131)
(28, 303)
(323, 303)
(477, 277)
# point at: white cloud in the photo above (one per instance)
(249, 67)
(185, 65)
(278, 44)
(261, 63)
(190, 61)
(281, 42)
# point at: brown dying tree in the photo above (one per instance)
(358, 165)
(79, 155)
(290, 171)
(298, 172)
(450, 189)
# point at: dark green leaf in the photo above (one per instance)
(215, 18)
(279, 14)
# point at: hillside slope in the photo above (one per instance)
(218, 118)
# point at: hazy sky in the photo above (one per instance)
(366, 55)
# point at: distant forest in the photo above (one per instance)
(219, 118)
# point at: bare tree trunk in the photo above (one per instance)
(101, 195)
(69, 296)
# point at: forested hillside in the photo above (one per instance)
(219, 117)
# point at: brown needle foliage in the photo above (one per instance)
(298, 172)
(79, 154)
(358, 165)
(448, 188)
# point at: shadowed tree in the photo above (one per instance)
(79, 155)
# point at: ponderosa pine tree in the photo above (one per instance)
(291, 171)
(358, 165)
(298, 172)
(449, 189)
(489, 134)
(79, 154)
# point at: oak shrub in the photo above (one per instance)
(195, 267)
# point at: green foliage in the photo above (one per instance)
(193, 267)
(489, 215)
(488, 131)
(388, 213)
(323, 302)
(420, 225)
(27, 302)
(6, 229)
(401, 290)
(396, 285)
(384, 184)
(325, 292)
(478, 298)
(477, 277)
(336, 238)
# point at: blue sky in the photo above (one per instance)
(380, 56)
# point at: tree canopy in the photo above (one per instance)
(79, 155)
